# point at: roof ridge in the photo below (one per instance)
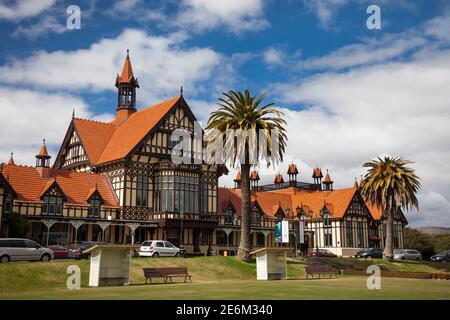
(95, 121)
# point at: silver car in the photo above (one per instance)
(158, 248)
(14, 249)
(407, 254)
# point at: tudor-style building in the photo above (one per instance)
(115, 182)
(336, 220)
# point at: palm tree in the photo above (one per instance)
(390, 185)
(242, 111)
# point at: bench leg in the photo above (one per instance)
(146, 280)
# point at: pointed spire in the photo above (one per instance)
(73, 113)
(127, 70)
(327, 179)
(181, 91)
(43, 153)
(254, 175)
(11, 159)
(238, 177)
(278, 179)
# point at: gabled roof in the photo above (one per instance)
(94, 136)
(292, 169)
(43, 153)
(29, 185)
(254, 175)
(317, 173)
(128, 135)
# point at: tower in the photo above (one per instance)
(327, 182)
(292, 173)
(278, 180)
(126, 85)
(254, 180)
(237, 180)
(43, 161)
(317, 176)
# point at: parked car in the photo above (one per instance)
(60, 251)
(322, 253)
(441, 256)
(370, 253)
(158, 248)
(15, 249)
(407, 254)
(78, 251)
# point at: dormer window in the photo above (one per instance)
(95, 206)
(229, 215)
(256, 216)
(53, 206)
(53, 200)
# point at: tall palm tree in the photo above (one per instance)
(242, 111)
(390, 185)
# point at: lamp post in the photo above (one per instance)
(301, 226)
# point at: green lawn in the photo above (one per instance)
(213, 277)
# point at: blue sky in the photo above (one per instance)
(349, 93)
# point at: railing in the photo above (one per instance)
(177, 215)
(284, 185)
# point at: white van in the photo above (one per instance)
(15, 249)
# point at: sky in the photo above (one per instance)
(349, 93)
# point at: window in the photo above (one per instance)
(8, 203)
(160, 244)
(256, 217)
(229, 216)
(95, 206)
(395, 236)
(177, 191)
(260, 239)
(142, 191)
(360, 234)
(52, 206)
(221, 237)
(327, 236)
(349, 233)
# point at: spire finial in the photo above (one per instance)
(181, 91)
(128, 53)
(11, 159)
(43, 142)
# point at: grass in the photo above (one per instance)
(214, 278)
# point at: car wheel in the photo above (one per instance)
(46, 258)
(177, 255)
(418, 259)
(155, 255)
(402, 258)
(4, 259)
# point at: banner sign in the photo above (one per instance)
(278, 227)
(285, 231)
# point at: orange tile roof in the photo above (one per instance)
(133, 130)
(29, 185)
(374, 211)
(336, 201)
(94, 136)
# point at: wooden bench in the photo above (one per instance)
(324, 269)
(166, 273)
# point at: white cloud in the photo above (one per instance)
(274, 56)
(46, 25)
(236, 15)
(370, 51)
(159, 62)
(24, 8)
(30, 116)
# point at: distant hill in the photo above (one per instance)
(433, 230)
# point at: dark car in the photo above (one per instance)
(441, 256)
(78, 251)
(370, 253)
(60, 251)
(322, 253)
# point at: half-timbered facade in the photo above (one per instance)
(337, 220)
(115, 182)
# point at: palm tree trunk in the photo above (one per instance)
(388, 247)
(245, 245)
